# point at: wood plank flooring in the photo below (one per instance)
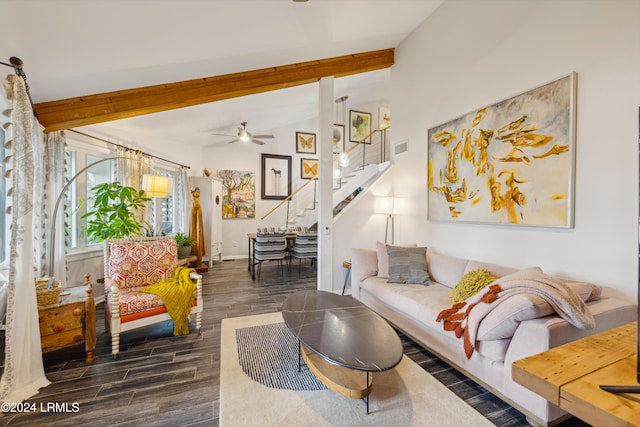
(162, 380)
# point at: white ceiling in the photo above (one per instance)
(72, 48)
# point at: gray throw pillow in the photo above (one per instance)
(408, 265)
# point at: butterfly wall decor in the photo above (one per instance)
(308, 168)
(305, 142)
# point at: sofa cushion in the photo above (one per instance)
(470, 284)
(417, 302)
(383, 257)
(446, 270)
(495, 350)
(504, 319)
(364, 263)
(408, 265)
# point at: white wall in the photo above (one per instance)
(247, 157)
(473, 53)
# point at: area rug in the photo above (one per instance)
(403, 396)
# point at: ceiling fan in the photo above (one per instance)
(244, 135)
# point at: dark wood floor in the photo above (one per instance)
(162, 380)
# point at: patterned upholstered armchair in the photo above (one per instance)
(131, 264)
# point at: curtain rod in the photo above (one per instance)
(16, 64)
(128, 148)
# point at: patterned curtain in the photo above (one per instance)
(129, 170)
(183, 199)
(23, 373)
(54, 180)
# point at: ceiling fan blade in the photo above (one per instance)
(224, 134)
(257, 141)
(262, 136)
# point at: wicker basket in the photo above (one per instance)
(49, 296)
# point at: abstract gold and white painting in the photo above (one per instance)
(509, 163)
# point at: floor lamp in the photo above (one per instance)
(389, 206)
(153, 186)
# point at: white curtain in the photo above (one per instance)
(54, 181)
(129, 170)
(183, 199)
(130, 167)
(23, 372)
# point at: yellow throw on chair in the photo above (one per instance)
(177, 294)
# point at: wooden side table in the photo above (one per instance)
(570, 376)
(71, 321)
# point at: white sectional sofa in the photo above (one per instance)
(521, 328)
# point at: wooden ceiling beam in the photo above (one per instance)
(92, 109)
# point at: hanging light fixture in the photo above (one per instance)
(337, 135)
(343, 160)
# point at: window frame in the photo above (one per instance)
(89, 147)
(77, 152)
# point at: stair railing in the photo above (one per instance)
(290, 197)
(357, 160)
(354, 153)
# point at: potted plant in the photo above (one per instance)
(184, 244)
(114, 212)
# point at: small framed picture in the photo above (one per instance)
(338, 137)
(359, 126)
(308, 168)
(305, 142)
(276, 176)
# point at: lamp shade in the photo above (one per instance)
(156, 185)
(389, 206)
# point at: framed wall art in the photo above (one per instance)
(305, 143)
(359, 126)
(308, 168)
(239, 199)
(509, 163)
(276, 176)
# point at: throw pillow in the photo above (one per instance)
(383, 258)
(408, 265)
(470, 284)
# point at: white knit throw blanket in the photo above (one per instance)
(563, 296)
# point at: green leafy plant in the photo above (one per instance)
(114, 212)
(184, 240)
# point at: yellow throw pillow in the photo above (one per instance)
(470, 284)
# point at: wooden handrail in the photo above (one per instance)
(365, 138)
(289, 197)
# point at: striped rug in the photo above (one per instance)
(268, 354)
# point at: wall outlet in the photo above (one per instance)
(235, 243)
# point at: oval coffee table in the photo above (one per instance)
(341, 338)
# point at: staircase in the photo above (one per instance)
(365, 163)
(347, 190)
